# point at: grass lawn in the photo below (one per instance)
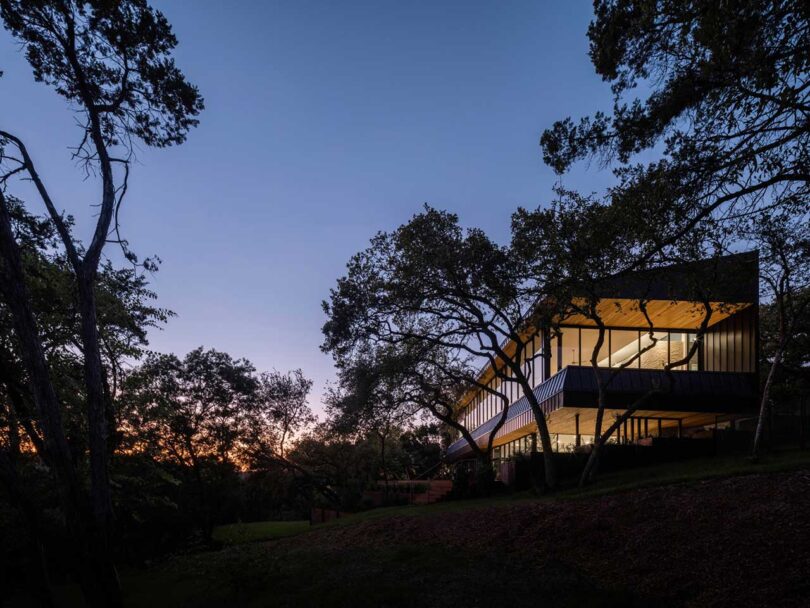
(236, 534)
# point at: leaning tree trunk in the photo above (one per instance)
(592, 464)
(763, 406)
(549, 468)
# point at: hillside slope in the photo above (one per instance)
(735, 541)
(722, 542)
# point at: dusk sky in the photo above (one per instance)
(325, 122)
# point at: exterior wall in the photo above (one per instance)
(732, 344)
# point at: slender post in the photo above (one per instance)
(660, 428)
(680, 428)
(576, 425)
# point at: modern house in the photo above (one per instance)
(717, 385)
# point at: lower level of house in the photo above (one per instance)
(683, 404)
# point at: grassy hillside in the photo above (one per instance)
(712, 532)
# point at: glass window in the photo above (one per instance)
(693, 362)
(570, 346)
(537, 360)
(679, 345)
(555, 359)
(623, 347)
(655, 350)
(588, 341)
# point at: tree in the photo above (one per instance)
(369, 400)
(210, 415)
(111, 61)
(422, 444)
(727, 102)
(454, 293)
(283, 401)
(785, 272)
(195, 412)
(125, 312)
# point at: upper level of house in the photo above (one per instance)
(730, 343)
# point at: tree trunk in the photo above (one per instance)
(94, 568)
(763, 406)
(485, 475)
(592, 464)
(97, 423)
(382, 464)
(549, 468)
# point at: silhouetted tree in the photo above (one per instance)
(126, 311)
(453, 292)
(111, 62)
(282, 402)
(718, 90)
(785, 273)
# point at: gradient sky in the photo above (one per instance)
(325, 122)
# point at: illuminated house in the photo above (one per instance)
(719, 384)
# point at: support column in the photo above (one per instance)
(576, 426)
(680, 428)
(646, 427)
(660, 428)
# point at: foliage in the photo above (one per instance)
(190, 409)
(435, 303)
(112, 63)
(282, 403)
(726, 104)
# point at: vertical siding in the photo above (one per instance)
(730, 345)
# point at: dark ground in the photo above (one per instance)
(700, 535)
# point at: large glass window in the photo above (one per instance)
(555, 358)
(679, 346)
(655, 350)
(623, 348)
(570, 346)
(588, 340)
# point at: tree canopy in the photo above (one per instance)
(718, 90)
